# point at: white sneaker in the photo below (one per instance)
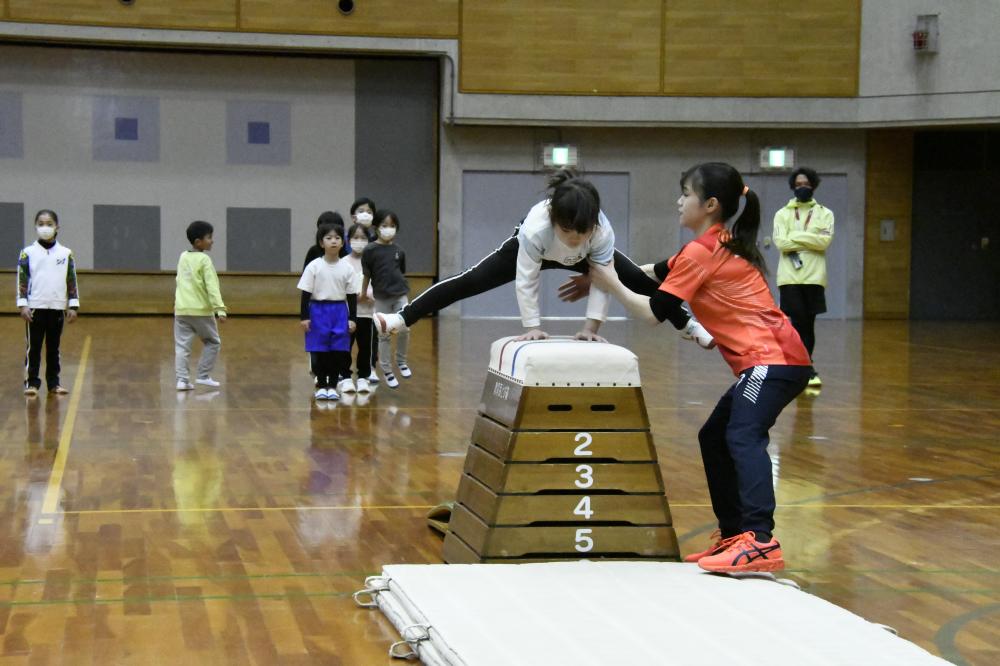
(320, 394)
(331, 394)
(391, 381)
(208, 381)
(184, 385)
(362, 385)
(373, 378)
(405, 371)
(347, 386)
(388, 323)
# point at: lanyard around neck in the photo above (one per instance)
(808, 217)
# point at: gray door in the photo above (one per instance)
(494, 202)
(955, 265)
(773, 191)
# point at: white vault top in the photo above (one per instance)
(563, 361)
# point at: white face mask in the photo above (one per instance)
(364, 219)
(387, 233)
(358, 246)
(46, 233)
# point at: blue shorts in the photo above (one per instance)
(328, 327)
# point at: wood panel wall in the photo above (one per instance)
(761, 48)
(753, 48)
(888, 195)
(631, 47)
(586, 46)
(207, 14)
(395, 18)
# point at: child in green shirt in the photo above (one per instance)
(197, 304)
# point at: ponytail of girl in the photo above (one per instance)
(574, 203)
(722, 181)
(743, 241)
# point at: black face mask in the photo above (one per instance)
(803, 194)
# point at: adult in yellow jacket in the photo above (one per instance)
(803, 230)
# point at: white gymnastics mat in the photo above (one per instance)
(626, 613)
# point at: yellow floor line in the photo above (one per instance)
(412, 507)
(238, 509)
(51, 502)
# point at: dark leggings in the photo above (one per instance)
(500, 267)
(805, 324)
(331, 367)
(47, 326)
(367, 352)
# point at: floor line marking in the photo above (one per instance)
(51, 502)
(239, 509)
(412, 507)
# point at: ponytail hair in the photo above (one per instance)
(725, 184)
(574, 203)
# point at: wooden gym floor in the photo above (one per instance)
(144, 526)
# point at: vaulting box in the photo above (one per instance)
(561, 464)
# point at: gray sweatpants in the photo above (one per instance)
(186, 329)
(385, 341)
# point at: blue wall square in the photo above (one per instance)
(126, 129)
(258, 132)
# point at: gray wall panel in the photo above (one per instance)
(259, 239)
(11, 125)
(258, 133)
(11, 232)
(127, 238)
(396, 149)
(126, 129)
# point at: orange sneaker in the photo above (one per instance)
(743, 553)
(717, 542)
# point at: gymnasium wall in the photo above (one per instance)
(959, 82)
(130, 146)
(631, 47)
(654, 158)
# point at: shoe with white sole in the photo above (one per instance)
(362, 385)
(207, 381)
(388, 323)
(373, 378)
(391, 381)
(405, 371)
(331, 394)
(320, 394)
(347, 386)
(31, 390)
(184, 385)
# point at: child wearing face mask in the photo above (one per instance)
(363, 212)
(384, 265)
(47, 296)
(359, 237)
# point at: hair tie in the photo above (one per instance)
(746, 189)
